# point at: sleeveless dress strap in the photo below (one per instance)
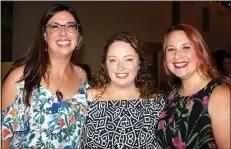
(80, 74)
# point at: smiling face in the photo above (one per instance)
(122, 63)
(61, 42)
(181, 58)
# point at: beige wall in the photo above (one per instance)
(148, 20)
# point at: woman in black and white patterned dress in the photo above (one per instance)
(123, 106)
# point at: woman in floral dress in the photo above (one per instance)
(43, 94)
(197, 113)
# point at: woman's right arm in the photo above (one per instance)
(9, 91)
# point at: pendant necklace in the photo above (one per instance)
(58, 93)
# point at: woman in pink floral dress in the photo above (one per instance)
(197, 113)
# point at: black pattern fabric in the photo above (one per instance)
(185, 122)
(122, 124)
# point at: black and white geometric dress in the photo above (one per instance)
(122, 124)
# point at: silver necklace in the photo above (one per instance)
(58, 93)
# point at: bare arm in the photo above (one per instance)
(9, 91)
(219, 111)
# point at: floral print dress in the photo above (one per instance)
(48, 122)
(185, 122)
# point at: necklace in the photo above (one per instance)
(58, 93)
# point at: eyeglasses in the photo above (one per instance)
(70, 27)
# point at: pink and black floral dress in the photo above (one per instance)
(185, 122)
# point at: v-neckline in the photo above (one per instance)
(54, 94)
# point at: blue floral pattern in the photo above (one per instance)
(48, 122)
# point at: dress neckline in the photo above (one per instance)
(208, 84)
(53, 94)
(115, 100)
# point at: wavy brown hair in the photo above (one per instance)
(144, 79)
(36, 60)
(206, 66)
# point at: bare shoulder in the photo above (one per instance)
(221, 92)
(220, 98)
(9, 87)
(80, 70)
(91, 93)
(16, 74)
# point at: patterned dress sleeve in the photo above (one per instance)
(162, 99)
(158, 104)
(13, 117)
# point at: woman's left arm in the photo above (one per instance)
(219, 111)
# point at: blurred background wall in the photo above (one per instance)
(149, 20)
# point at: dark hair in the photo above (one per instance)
(224, 72)
(36, 59)
(206, 64)
(220, 56)
(144, 79)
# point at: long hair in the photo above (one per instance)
(144, 79)
(206, 66)
(36, 59)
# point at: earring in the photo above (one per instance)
(77, 48)
(46, 47)
(137, 76)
